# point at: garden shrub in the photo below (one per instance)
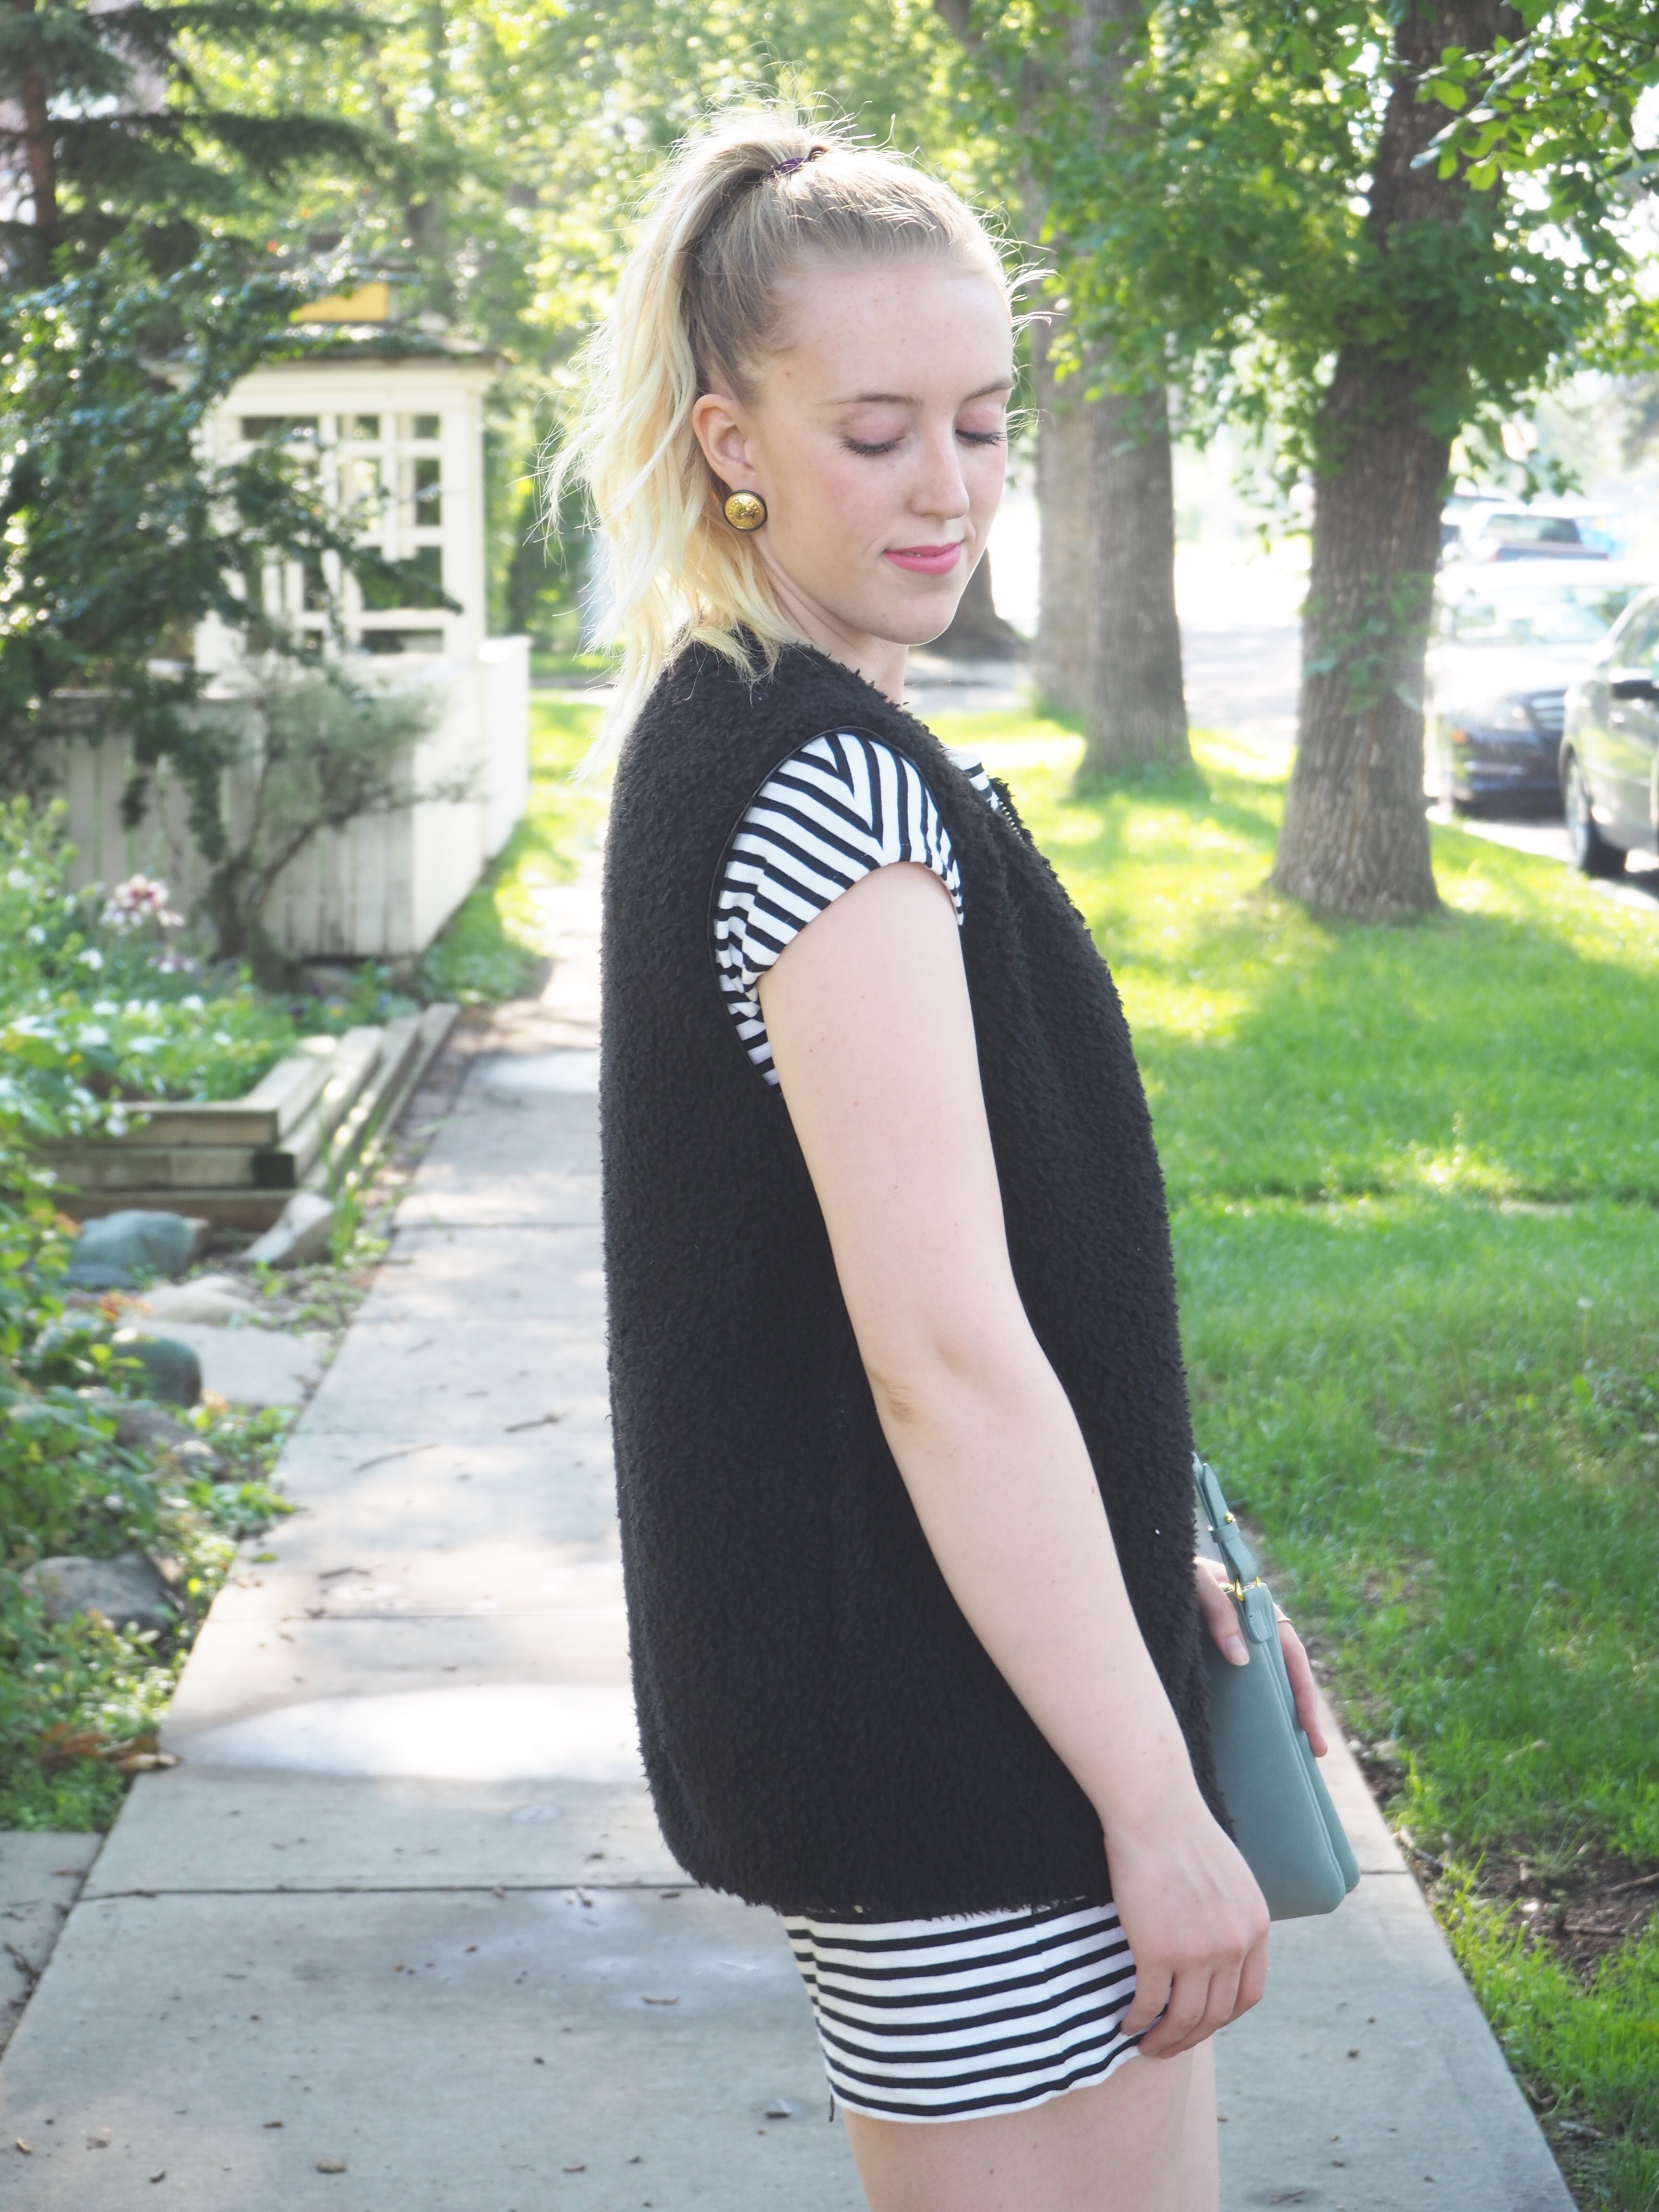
(71, 1693)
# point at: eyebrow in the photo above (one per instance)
(910, 399)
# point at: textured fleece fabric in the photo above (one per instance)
(822, 1728)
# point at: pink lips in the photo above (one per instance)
(925, 560)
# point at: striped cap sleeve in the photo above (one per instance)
(841, 807)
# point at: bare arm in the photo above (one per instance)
(871, 1034)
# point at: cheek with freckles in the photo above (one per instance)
(835, 511)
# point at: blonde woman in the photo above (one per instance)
(902, 1432)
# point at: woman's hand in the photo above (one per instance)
(1221, 1618)
(1196, 1921)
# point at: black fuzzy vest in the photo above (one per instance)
(822, 1728)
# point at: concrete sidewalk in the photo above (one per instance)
(400, 1935)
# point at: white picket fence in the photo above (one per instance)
(382, 888)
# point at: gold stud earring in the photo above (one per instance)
(746, 510)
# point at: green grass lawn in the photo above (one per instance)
(1412, 1172)
(492, 947)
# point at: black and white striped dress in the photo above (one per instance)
(991, 2012)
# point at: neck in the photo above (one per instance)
(878, 661)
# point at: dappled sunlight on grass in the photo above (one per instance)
(1447, 1416)
(1496, 1047)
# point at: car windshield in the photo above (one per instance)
(1531, 530)
(1575, 612)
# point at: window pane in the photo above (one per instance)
(360, 487)
(428, 498)
(1576, 609)
(426, 426)
(401, 640)
(1636, 647)
(409, 584)
(259, 429)
(365, 426)
(1533, 530)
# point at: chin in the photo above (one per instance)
(920, 625)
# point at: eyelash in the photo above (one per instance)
(967, 437)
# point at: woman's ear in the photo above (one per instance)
(718, 423)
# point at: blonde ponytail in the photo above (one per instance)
(698, 308)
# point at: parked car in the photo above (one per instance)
(1507, 642)
(1610, 745)
(1491, 532)
(1459, 512)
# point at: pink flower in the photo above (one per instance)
(140, 899)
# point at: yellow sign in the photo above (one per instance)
(370, 303)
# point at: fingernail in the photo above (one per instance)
(1235, 1649)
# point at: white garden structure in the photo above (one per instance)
(397, 440)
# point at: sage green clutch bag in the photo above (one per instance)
(1282, 1818)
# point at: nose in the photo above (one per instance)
(940, 491)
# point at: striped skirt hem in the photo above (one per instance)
(966, 2018)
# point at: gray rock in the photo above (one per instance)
(300, 1237)
(91, 1275)
(129, 1591)
(173, 1370)
(255, 1367)
(209, 1298)
(112, 1253)
(146, 1428)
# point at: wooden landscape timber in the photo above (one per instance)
(237, 1162)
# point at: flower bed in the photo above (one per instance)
(120, 1059)
(136, 1076)
(97, 1010)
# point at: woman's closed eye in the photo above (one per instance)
(872, 451)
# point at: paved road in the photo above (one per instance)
(400, 1933)
(1240, 672)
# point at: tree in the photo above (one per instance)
(976, 630)
(1458, 302)
(1066, 545)
(1134, 710)
(1108, 640)
(103, 126)
(1318, 255)
(116, 539)
(1355, 838)
(143, 288)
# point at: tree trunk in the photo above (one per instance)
(1108, 640)
(1065, 553)
(1356, 835)
(977, 631)
(40, 158)
(1135, 709)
